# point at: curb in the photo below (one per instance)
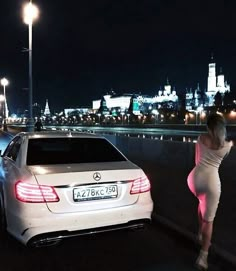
(225, 255)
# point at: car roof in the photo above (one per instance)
(58, 134)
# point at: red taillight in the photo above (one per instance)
(35, 193)
(140, 185)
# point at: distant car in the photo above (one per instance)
(55, 185)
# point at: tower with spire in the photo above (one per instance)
(215, 83)
(211, 82)
(47, 110)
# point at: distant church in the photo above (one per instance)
(215, 83)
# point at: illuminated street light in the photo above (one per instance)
(99, 118)
(30, 13)
(4, 83)
(122, 117)
(128, 115)
(199, 112)
(156, 113)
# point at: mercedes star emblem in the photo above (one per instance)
(97, 176)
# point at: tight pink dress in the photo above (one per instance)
(204, 181)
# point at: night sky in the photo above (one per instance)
(83, 49)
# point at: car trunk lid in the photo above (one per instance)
(87, 187)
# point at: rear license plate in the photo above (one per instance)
(85, 193)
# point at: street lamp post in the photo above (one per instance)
(99, 118)
(199, 112)
(30, 14)
(4, 83)
(2, 99)
(122, 117)
(128, 115)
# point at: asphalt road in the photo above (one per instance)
(157, 248)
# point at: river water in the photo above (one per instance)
(150, 133)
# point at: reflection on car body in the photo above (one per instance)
(55, 185)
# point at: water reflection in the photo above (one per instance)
(179, 138)
(159, 134)
(166, 137)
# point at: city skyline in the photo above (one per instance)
(82, 50)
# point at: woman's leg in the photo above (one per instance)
(204, 236)
(207, 211)
(207, 228)
(202, 260)
(199, 224)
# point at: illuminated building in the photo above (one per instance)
(76, 111)
(165, 96)
(215, 84)
(47, 110)
(194, 98)
(140, 103)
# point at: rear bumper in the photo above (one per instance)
(37, 228)
(55, 237)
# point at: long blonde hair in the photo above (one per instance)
(216, 125)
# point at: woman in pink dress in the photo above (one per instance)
(204, 181)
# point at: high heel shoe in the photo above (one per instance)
(201, 262)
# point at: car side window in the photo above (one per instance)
(13, 148)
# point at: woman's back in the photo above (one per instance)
(208, 154)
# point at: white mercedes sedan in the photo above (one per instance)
(55, 185)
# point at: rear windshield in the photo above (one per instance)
(43, 151)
